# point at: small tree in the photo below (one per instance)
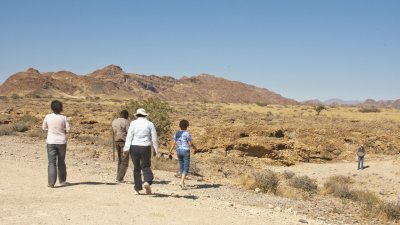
(319, 109)
(158, 114)
(14, 96)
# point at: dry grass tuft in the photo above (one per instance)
(267, 181)
(37, 132)
(292, 193)
(371, 204)
(248, 181)
(288, 174)
(391, 210)
(339, 186)
(6, 129)
(304, 183)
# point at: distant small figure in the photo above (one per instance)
(361, 154)
(120, 128)
(183, 141)
(56, 126)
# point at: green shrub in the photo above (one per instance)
(304, 183)
(159, 114)
(267, 181)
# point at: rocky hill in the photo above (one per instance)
(112, 81)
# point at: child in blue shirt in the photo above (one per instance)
(183, 142)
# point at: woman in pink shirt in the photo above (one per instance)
(57, 126)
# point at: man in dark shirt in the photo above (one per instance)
(361, 154)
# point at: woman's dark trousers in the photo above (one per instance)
(141, 158)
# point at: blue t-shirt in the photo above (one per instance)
(182, 139)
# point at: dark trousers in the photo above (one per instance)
(141, 158)
(56, 158)
(122, 162)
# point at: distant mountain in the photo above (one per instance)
(337, 101)
(113, 82)
(367, 103)
(381, 103)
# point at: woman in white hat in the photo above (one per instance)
(140, 135)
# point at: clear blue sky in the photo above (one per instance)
(301, 49)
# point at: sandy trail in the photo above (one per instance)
(93, 197)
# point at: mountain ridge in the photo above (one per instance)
(112, 81)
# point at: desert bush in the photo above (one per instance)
(339, 186)
(369, 109)
(304, 183)
(319, 109)
(339, 179)
(24, 123)
(288, 174)
(21, 126)
(37, 132)
(159, 114)
(28, 118)
(391, 210)
(270, 116)
(6, 129)
(15, 96)
(370, 202)
(267, 180)
(248, 181)
(262, 104)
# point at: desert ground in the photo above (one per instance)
(235, 141)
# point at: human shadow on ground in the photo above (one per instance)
(85, 183)
(161, 181)
(366, 167)
(205, 186)
(159, 195)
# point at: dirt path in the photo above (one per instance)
(93, 197)
(381, 175)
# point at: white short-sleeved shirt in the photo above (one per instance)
(57, 126)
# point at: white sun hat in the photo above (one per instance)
(141, 111)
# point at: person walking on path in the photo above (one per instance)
(361, 154)
(183, 142)
(141, 134)
(56, 126)
(120, 128)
